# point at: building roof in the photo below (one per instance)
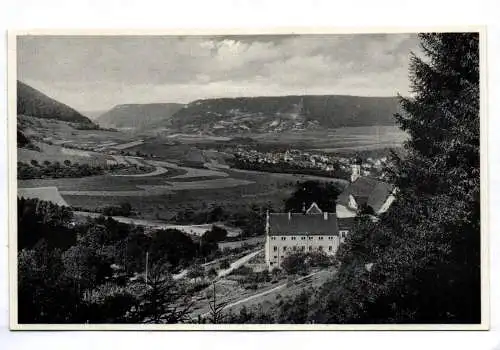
(366, 190)
(346, 223)
(314, 209)
(282, 224)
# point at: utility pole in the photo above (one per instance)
(147, 258)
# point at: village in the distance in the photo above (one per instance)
(233, 210)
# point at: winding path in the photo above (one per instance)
(158, 171)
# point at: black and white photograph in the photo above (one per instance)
(247, 180)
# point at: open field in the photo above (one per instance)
(189, 172)
(173, 187)
(163, 195)
(166, 188)
(128, 144)
(54, 153)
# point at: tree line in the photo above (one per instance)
(94, 271)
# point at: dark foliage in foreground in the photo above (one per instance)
(70, 272)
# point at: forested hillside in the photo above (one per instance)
(285, 112)
(141, 116)
(34, 103)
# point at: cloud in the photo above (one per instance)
(91, 73)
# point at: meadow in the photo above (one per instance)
(194, 188)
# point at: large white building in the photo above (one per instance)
(315, 230)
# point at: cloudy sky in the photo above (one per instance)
(96, 73)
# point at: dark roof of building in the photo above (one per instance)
(346, 223)
(281, 224)
(366, 190)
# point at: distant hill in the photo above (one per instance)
(141, 116)
(282, 113)
(34, 103)
(93, 115)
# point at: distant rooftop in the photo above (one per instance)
(366, 190)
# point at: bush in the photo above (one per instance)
(212, 273)
(224, 264)
(216, 234)
(243, 271)
(295, 263)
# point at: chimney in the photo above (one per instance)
(289, 216)
(325, 215)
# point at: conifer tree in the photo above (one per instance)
(424, 254)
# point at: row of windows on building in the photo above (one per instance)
(301, 248)
(294, 238)
(343, 234)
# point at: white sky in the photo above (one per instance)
(96, 73)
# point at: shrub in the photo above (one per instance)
(224, 264)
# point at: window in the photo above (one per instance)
(275, 257)
(294, 248)
(294, 238)
(284, 248)
(303, 237)
(310, 248)
(283, 238)
(271, 263)
(303, 248)
(275, 249)
(320, 248)
(321, 238)
(330, 248)
(273, 238)
(310, 237)
(330, 238)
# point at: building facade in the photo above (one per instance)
(315, 230)
(311, 231)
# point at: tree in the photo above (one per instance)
(295, 310)
(212, 273)
(224, 264)
(45, 295)
(294, 264)
(173, 247)
(324, 194)
(216, 308)
(216, 234)
(164, 301)
(424, 253)
(126, 209)
(196, 271)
